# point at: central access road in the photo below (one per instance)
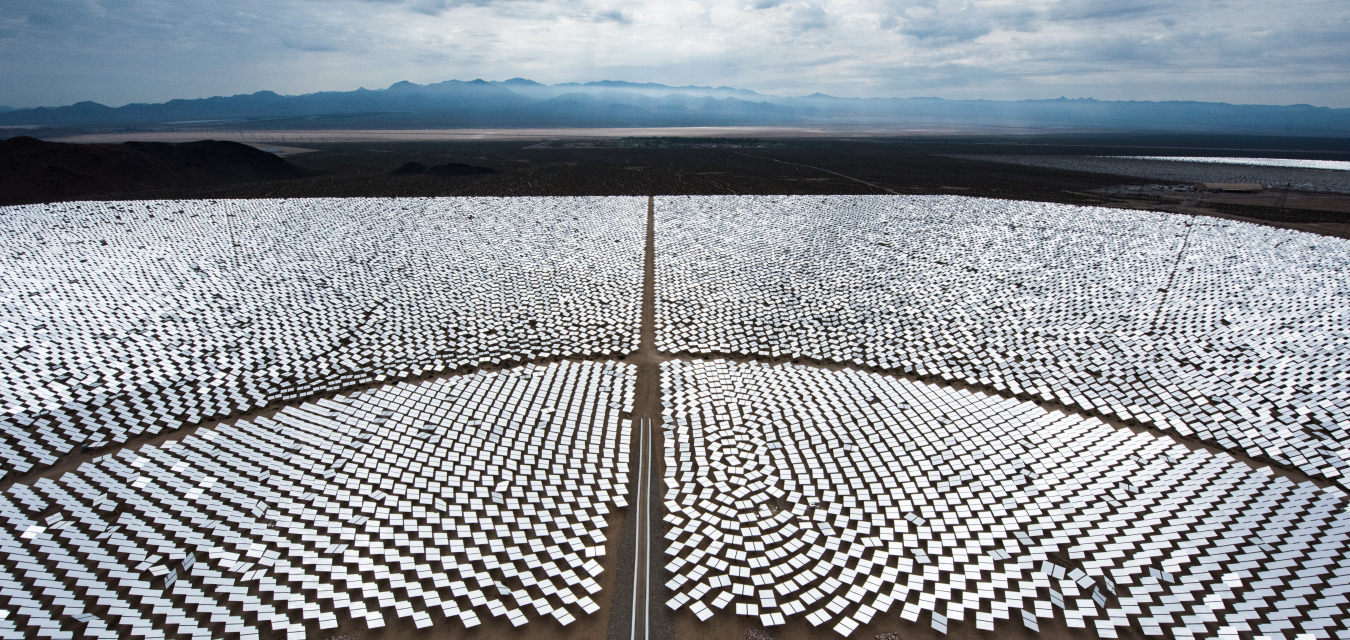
(640, 626)
(642, 614)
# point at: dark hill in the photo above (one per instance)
(32, 170)
(409, 169)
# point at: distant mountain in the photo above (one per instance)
(402, 97)
(520, 102)
(4, 109)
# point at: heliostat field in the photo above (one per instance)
(676, 417)
(1231, 333)
(841, 496)
(132, 317)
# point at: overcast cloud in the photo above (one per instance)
(55, 52)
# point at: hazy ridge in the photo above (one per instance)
(524, 103)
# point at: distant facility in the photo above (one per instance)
(1229, 187)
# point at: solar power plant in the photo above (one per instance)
(838, 496)
(591, 417)
(122, 318)
(1231, 333)
(473, 497)
(1335, 165)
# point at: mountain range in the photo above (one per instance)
(524, 103)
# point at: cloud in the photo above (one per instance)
(120, 51)
(809, 17)
(942, 28)
(435, 7)
(310, 42)
(429, 7)
(613, 15)
(1114, 10)
(949, 22)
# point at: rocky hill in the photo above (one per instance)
(33, 170)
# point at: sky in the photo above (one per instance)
(57, 52)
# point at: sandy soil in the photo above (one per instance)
(1336, 229)
(1295, 200)
(1311, 201)
(1313, 180)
